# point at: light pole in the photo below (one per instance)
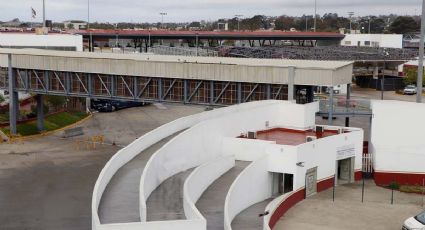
(350, 14)
(162, 19)
(315, 15)
(421, 58)
(44, 13)
(238, 16)
(88, 27)
(369, 24)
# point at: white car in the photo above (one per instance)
(409, 90)
(415, 223)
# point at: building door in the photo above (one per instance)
(311, 182)
(345, 172)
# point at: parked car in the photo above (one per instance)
(415, 223)
(103, 105)
(410, 90)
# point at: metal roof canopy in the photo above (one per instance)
(269, 71)
(240, 35)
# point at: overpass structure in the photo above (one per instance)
(145, 38)
(156, 78)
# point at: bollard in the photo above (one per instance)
(363, 190)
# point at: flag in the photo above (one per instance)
(33, 13)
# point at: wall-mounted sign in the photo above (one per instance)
(345, 152)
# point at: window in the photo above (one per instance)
(367, 43)
(347, 43)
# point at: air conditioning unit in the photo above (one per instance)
(252, 135)
(340, 130)
(319, 129)
(310, 138)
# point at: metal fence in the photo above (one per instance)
(367, 163)
(344, 106)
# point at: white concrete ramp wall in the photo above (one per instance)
(243, 192)
(128, 153)
(202, 143)
(199, 180)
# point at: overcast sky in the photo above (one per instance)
(191, 10)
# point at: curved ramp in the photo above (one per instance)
(249, 218)
(211, 203)
(120, 201)
(166, 201)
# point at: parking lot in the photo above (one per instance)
(46, 183)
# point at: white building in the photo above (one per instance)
(77, 25)
(51, 41)
(290, 158)
(397, 142)
(374, 40)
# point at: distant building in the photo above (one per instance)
(52, 41)
(373, 40)
(74, 24)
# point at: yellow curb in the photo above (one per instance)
(52, 131)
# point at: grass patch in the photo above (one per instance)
(412, 189)
(51, 123)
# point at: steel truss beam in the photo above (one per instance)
(139, 88)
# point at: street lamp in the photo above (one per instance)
(88, 27)
(350, 14)
(238, 16)
(162, 18)
(44, 13)
(315, 15)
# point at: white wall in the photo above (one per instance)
(322, 153)
(199, 180)
(244, 193)
(384, 40)
(397, 139)
(33, 40)
(202, 143)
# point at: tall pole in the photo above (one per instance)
(369, 25)
(44, 13)
(382, 82)
(315, 15)
(421, 58)
(88, 27)
(238, 16)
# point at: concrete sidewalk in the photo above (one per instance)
(349, 213)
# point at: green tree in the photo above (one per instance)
(284, 23)
(2, 98)
(411, 76)
(403, 25)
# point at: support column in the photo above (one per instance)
(331, 105)
(239, 92)
(291, 82)
(211, 92)
(13, 98)
(160, 89)
(269, 92)
(185, 92)
(347, 105)
(40, 112)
